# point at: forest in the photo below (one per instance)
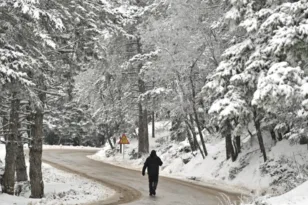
(81, 72)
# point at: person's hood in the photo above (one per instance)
(153, 154)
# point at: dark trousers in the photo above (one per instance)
(153, 181)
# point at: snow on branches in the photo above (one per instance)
(266, 68)
(156, 93)
(142, 59)
(33, 10)
(227, 108)
(13, 67)
(282, 84)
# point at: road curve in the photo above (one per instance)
(131, 187)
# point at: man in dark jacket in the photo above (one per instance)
(152, 164)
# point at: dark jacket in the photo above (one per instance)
(152, 163)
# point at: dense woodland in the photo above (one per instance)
(82, 72)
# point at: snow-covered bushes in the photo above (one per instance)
(22, 188)
(110, 152)
(233, 171)
(286, 173)
(61, 195)
(134, 154)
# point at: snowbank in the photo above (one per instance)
(297, 196)
(60, 188)
(69, 147)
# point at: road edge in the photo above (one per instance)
(122, 194)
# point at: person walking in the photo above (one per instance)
(152, 164)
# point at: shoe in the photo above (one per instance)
(154, 193)
(150, 194)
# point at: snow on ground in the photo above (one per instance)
(249, 174)
(69, 147)
(60, 188)
(297, 196)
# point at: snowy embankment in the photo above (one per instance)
(297, 196)
(60, 188)
(69, 147)
(248, 174)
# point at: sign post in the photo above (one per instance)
(123, 141)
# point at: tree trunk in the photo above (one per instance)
(228, 150)
(191, 140)
(192, 128)
(110, 143)
(36, 178)
(153, 124)
(259, 135)
(9, 169)
(21, 168)
(230, 153)
(273, 135)
(288, 129)
(279, 136)
(143, 134)
(146, 131)
(110, 134)
(238, 143)
(5, 125)
(141, 131)
(153, 114)
(10, 157)
(102, 139)
(200, 131)
(195, 110)
(29, 124)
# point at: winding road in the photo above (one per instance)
(131, 187)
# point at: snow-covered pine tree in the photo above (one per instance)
(81, 47)
(263, 67)
(25, 28)
(14, 78)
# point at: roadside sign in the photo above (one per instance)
(123, 140)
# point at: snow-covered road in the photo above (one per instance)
(131, 186)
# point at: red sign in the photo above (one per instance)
(123, 140)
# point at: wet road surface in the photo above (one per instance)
(130, 185)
